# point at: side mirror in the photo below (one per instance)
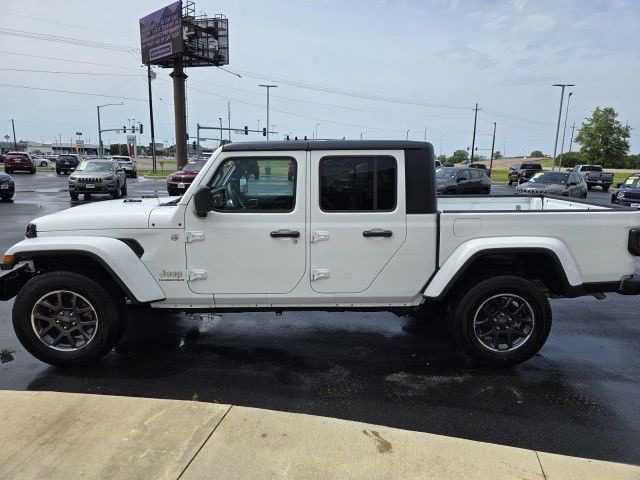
(202, 201)
(618, 185)
(461, 179)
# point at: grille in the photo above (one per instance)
(182, 179)
(89, 180)
(632, 195)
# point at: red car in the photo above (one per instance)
(19, 161)
(178, 182)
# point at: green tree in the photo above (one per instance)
(603, 139)
(571, 159)
(497, 155)
(536, 154)
(442, 158)
(459, 156)
(123, 149)
(478, 158)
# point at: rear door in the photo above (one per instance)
(357, 221)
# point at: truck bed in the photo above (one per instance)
(595, 235)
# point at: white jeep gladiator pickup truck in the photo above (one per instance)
(325, 225)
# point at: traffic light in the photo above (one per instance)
(264, 131)
(140, 128)
(194, 145)
(124, 129)
(246, 130)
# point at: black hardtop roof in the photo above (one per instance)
(288, 145)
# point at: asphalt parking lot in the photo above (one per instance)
(579, 396)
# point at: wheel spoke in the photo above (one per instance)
(72, 340)
(56, 340)
(495, 340)
(44, 318)
(47, 304)
(46, 329)
(509, 340)
(59, 298)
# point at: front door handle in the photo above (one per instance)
(377, 233)
(285, 234)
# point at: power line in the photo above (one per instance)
(66, 40)
(71, 73)
(73, 92)
(67, 60)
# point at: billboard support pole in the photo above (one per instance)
(153, 135)
(180, 111)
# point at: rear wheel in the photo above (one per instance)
(33, 170)
(74, 196)
(7, 170)
(67, 319)
(58, 171)
(605, 188)
(486, 190)
(6, 198)
(501, 321)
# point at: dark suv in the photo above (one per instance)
(67, 163)
(459, 181)
(522, 173)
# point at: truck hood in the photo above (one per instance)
(110, 214)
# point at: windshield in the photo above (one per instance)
(550, 177)
(531, 166)
(94, 167)
(446, 173)
(193, 167)
(67, 157)
(591, 168)
(632, 181)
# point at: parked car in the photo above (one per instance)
(461, 181)
(628, 193)
(7, 187)
(594, 176)
(129, 166)
(177, 183)
(554, 183)
(19, 161)
(481, 166)
(43, 162)
(438, 163)
(365, 231)
(1, 157)
(67, 163)
(523, 172)
(101, 176)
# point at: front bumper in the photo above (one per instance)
(98, 188)
(7, 189)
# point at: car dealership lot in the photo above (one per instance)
(580, 396)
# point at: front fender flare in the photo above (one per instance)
(458, 261)
(116, 257)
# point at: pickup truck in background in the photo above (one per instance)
(522, 173)
(594, 176)
(358, 227)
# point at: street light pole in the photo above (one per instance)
(573, 127)
(473, 142)
(268, 87)
(407, 137)
(564, 131)
(315, 132)
(425, 133)
(493, 145)
(555, 146)
(363, 132)
(100, 149)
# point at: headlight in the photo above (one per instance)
(110, 177)
(620, 194)
(170, 178)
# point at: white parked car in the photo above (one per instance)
(324, 225)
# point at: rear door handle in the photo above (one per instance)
(377, 233)
(285, 234)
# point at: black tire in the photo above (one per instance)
(74, 196)
(605, 188)
(468, 306)
(110, 314)
(173, 193)
(450, 191)
(124, 188)
(117, 193)
(7, 170)
(135, 175)
(6, 198)
(43, 164)
(32, 171)
(589, 187)
(58, 172)
(486, 191)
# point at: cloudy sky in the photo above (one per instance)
(343, 67)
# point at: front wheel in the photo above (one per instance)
(67, 319)
(74, 196)
(501, 321)
(117, 193)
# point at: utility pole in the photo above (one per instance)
(425, 133)
(220, 118)
(180, 111)
(441, 137)
(229, 117)
(555, 146)
(473, 142)
(573, 127)
(268, 87)
(315, 131)
(15, 144)
(153, 133)
(493, 144)
(564, 131)
(407, 137)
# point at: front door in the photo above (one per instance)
(358, 217)
(253, 243)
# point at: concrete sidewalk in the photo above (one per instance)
(60, 435)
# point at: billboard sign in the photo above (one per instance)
(161, 34)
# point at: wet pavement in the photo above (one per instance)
(579, 396)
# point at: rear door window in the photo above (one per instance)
(358, 183)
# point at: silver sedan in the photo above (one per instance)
(566, 184)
